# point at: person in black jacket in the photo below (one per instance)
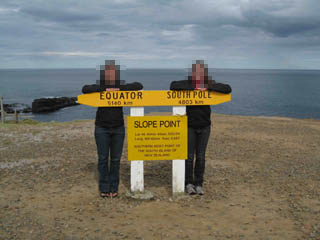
(199, 124)
(109, 129)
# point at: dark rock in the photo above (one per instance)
(27, 110)
(52, 104)
(20, 107)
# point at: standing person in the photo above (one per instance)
(109, 129)
(199, 124)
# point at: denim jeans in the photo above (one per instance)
(109, 142)
(197, 144)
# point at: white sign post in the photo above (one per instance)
(178, 166)
(136, 167)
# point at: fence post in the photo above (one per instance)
(178, 166)
(2, 109)
(16, 115)
(136, 167)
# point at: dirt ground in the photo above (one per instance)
(262, 181)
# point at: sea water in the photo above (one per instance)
(285, 93)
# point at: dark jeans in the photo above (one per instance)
(197, 144)
(109, 141)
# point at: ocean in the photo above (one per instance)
(284, 93)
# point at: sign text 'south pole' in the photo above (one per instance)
(178, 166)
(136, 167)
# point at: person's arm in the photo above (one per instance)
(97, 88)
(131, 86)
(219, 87)
(91, 88)
(181, 85)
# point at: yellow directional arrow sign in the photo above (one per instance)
(152, 98)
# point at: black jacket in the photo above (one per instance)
(199, 116)
(110, 116)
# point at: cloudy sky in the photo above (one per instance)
(277, 34)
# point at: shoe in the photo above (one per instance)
(199, 190)
(190, 189)
(105, 194)
(114, 194)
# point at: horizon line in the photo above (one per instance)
(163, 68)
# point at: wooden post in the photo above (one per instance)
(178, 166)
(136, 167)
(16, 115)
(2, 110)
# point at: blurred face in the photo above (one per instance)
(198, 75)
(110, 74)
(198, 72)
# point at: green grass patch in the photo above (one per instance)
(6, 142)
(29, 121)
(24, 121)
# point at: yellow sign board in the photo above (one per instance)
(152, 98)
(157, 137)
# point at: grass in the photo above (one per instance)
(6, 142)
(24, 121)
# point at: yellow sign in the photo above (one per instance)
(157, 137)
(152, 98)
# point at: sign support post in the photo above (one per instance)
(136, 167)
(178, 166)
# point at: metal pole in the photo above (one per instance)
(2, 110)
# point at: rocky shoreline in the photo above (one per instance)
(261, 182)
(41, 105)
(19, 107)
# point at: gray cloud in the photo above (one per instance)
(103, 34)
(61, 15)
(227, 33)
(281, 26)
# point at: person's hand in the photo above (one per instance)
(202, 89)
(112, 89)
